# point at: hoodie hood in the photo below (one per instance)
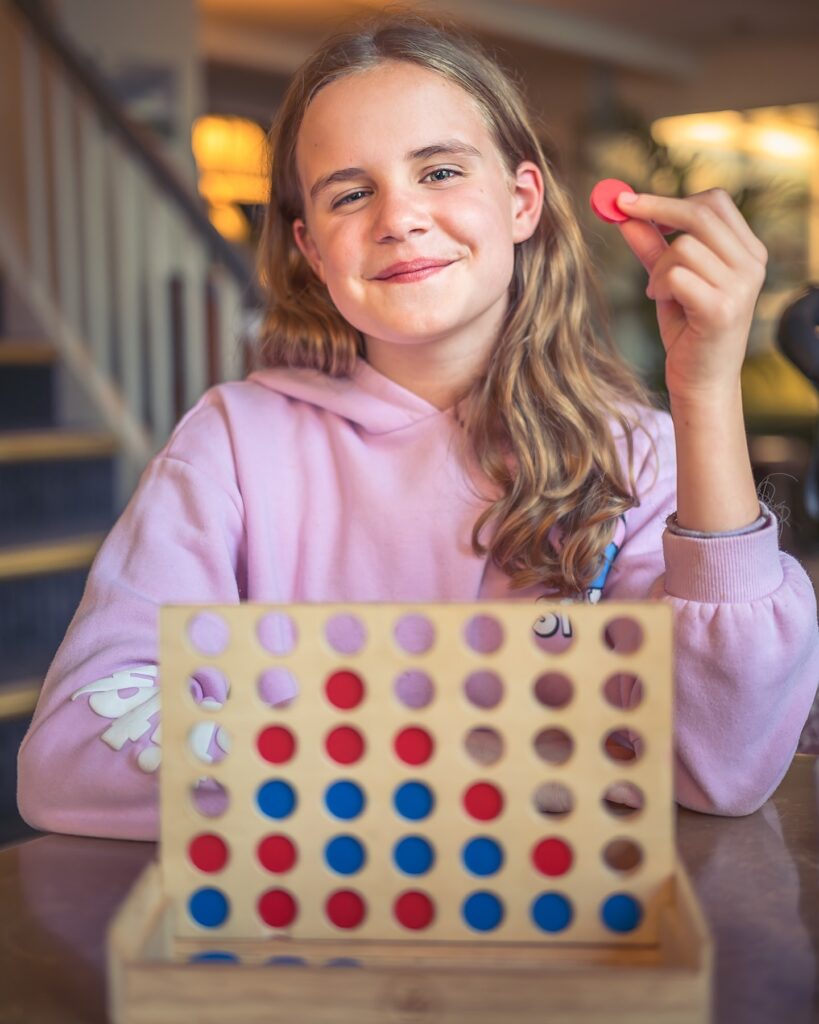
(367, 398)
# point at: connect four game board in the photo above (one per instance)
(388, 786)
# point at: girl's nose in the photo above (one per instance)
(398, 213)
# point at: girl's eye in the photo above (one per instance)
(346, 199)
(447, 171)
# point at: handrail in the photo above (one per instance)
(139, 143)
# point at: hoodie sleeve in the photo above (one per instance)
(746, 642)
(88, 762)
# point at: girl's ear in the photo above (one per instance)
(527, 200)
(308, 249)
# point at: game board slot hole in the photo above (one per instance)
(345, 908)
(414, 745)
(623, 799)
(345, 855)
(344, 744)
(414, 689)
(483, 689)
(208, 687)
(554, 746)
(277, 687)
(484, 634)
(345, 799)
(623, 690)
(552, 856)
(277, 908)
(482, 855)
(277, 853)
(209, 797)
(483, 801)
(208, 742)
(277, 633)
(208, 852)
(484, 745)
(413, 855)
(276, 744)
(344, 689)
(623, 635)
(623, 855)
(553, 690)
(553, 632)
(623, 746)
(208, 633)
(414, 800)
(553, 800)
(276, 799)
(209, 907)
(414, 634)
(345, 633)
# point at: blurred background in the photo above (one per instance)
(132, 176)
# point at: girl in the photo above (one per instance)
(440, 417)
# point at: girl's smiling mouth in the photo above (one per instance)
(414, 270)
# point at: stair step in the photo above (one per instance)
(18, 698)
(26, 352)
(41, 445)
(49, 556)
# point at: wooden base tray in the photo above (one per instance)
(152, 977)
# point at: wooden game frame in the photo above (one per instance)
(662, 973)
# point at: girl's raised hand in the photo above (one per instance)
(705, 284)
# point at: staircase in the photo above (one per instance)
(57, 499)
(136, 301)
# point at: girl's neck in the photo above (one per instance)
(438, 371)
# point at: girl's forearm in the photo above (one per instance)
(715, 484)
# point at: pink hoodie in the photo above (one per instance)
(293, 486)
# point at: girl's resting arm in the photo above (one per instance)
(88, 763)
(746, 642)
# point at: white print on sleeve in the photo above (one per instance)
(134, 715)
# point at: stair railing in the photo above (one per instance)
(147, 303)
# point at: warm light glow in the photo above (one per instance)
(229, 222)
(230, 154)
(721, 129)
(782, 143)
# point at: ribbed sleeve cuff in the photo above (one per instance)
(716, 569)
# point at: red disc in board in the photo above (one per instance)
(414, 910)
(344, 689)
(276, 744)
(345, 909)
(552, 857)
(277, 908)
(603, 200)
(414, 745)
(483, 801)
(276, 853)
(345, 744)
(208, 852)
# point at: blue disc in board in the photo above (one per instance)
(276, 799)
(286, 961)
(482, 911)
(413, 855)
(208, 907)
(343, 961)
(413, 800)
(621, 912)
(482, 856)
(344, 799)
(216, 954)
(552, 912)
(344, 854)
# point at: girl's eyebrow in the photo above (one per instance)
(449, 147)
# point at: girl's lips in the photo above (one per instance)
(414, 274)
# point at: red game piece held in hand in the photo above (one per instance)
(603, 200)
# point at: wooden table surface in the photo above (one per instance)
(757, 878)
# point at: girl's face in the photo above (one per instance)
(410, 213)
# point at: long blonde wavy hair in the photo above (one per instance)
(539, 419)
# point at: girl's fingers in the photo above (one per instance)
(695, 217)
(687, 251)
(700, 300)
(644, 240)
(725, 208)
